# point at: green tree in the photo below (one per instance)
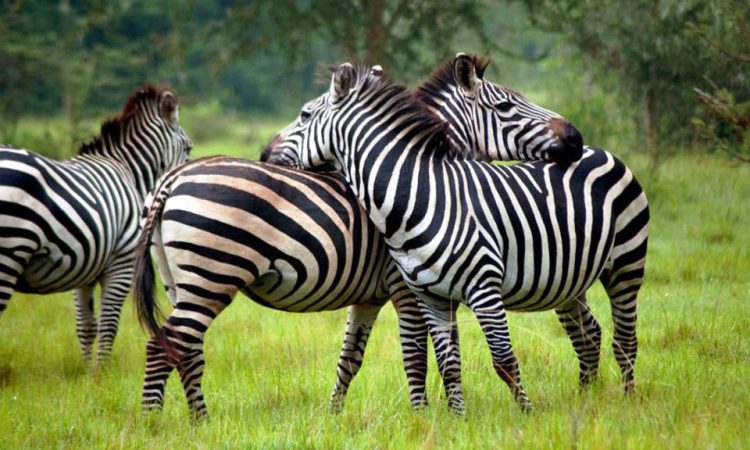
(405, 36)
(652, 46)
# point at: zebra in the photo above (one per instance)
(293, 241)
(528, 237)
(74, 224)
(188, 209)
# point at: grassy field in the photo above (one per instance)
(269, 374)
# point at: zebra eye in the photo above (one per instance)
(504, 107)
(304, 115)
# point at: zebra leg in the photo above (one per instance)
(413, 331)
(358, 327)
(11, 267)
(198, 304)
(586, 336)
(490, 312)
(85, 320)
(623, 300)
(441, 320)
(115, 287)
(158, 368)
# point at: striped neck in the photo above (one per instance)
(137, 142)
(394, 146)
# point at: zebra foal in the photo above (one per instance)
(74, 224)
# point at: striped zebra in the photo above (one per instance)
(290, 240)
(209, 211)
(74, 224)
(528, 237)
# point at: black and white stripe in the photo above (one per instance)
(528, 237)
(74, 224)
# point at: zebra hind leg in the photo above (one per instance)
(413, 331)
(441, 320)
(489, 310)
(11, 268)
(186, 327)
(358, 327)
(623, 295)
(158, 368)
(85, 320)
(585, 334)
(115, 287)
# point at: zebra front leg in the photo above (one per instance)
(85, 320)
(413, 332)
(115, 287)
(358, 326)
(586, 336)
(488, 307)
(441, 320)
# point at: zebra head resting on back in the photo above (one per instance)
(528, 237)
(486, 121)
(74, 224)
(492, 122)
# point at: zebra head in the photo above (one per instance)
(493, 122)
(287, 153)
(178, 144)
(307, 141)
(146, 137)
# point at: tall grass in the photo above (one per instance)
(268, 374)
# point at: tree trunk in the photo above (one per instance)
(375, 33)
(648, 124)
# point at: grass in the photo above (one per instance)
(268, 373)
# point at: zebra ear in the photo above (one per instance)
(168, 107)
(377, 71)
(341, 82)
(465, 72)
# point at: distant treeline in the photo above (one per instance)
(677, 69)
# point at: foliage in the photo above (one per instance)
(725, 119)
(654, 49)
(404, 36)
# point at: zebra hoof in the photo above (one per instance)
(458, 410)
(336, 406)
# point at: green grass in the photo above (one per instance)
(269, 374)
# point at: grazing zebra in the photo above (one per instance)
(528, 237)
(72, 224)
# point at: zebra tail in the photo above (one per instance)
(149, 314)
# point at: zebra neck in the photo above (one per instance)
(135, 162)
(466, 126)
(394, 178)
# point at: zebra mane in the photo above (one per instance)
(111, 129)
(408, 105)
(442, 78)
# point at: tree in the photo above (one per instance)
(650, 45)
(405, 36)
